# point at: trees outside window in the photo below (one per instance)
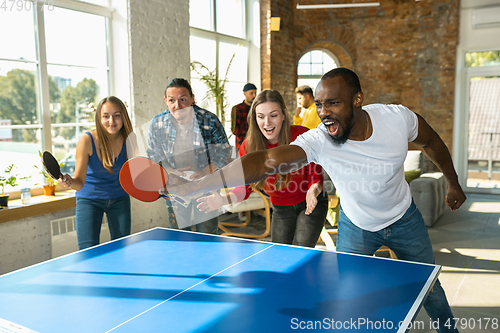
(64, 56)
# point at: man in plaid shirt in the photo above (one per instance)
(239, 113)
(190, 142)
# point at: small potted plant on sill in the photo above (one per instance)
(8, 178)
(49, 188)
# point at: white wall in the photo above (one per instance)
(472, 39)
(27, 241)
(150, 47)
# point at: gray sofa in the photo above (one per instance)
(428, 190)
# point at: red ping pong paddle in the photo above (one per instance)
(142, 178)
(51, 165)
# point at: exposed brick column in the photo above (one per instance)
(403, 51)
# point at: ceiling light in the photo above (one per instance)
(339, 5)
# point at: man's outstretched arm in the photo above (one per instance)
(248, 169)
(437, 151)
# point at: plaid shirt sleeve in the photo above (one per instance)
(233, 119)
(214, 136)
(158, 132)
(240, 119)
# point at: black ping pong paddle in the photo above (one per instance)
(51, 165)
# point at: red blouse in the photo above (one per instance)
(298, 182)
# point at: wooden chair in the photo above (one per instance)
(332, 217)
(255, 202)
(385, 248)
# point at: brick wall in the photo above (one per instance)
(403, 51)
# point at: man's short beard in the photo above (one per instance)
(348, 128)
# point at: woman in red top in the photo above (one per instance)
(299, 206)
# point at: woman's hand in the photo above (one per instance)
(311, 200)
(212, 202)
(65, 181)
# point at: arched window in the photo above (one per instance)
(313, 65)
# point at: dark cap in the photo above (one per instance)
(249, 86)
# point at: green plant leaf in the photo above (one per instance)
(216, 87)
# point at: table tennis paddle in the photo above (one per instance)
(142, 178)
(51, 165)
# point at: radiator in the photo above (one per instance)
(63, 235)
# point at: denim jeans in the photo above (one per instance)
(290, 224)
(89, 213)
(409, 240)
(186, 217)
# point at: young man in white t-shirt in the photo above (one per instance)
(362, 148)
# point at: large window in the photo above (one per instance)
(222, 35)
(483, 151)
(482, 59)
(222, 16)
(53, 64)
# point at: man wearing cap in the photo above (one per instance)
(239, 124)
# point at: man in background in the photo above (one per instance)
(239, 113)
(305, 114)
(190, 142)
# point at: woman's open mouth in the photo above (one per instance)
(269, 131)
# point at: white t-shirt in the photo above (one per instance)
(368, 175)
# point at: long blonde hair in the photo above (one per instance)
(105, 145)
(257, 141)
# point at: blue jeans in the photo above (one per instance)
(290, 224)
(409, 240)
(89, 213)
(186, 217)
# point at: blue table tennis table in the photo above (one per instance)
(165, 280)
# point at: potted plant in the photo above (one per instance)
(49, 188)
(216, 86)
(8, 178)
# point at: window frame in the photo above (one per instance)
(461, 114)
(301, 78)
(316, 76)
(45, 124)
(42, 73)
(218, 38)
